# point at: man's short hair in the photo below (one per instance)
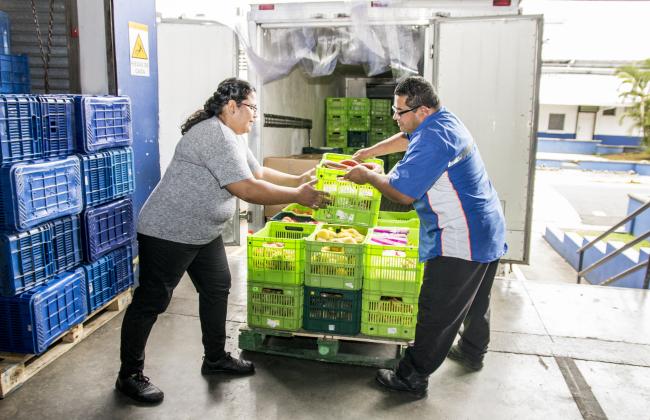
(418, 92)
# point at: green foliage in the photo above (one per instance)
(636, 82)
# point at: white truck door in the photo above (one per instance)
(486, 71)
(193, 57)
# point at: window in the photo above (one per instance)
(609, 111)
(556, 121)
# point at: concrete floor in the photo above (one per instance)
(605, 330)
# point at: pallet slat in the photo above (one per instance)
(16, 369)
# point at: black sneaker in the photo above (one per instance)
(138, 387)
(227, 364)
(391, 380)
(455, 353)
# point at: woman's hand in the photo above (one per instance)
(310, 197)
(308, 176)
(363, 154)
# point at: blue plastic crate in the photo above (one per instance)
(14, 74)
(57, 127)
(66, 243)
(33, 193)
(108, 276)
(19, 137)
(107, 227)
(97, 176)
(123, 171)
(102, 122)
(25, 260)
(107, 176)
(33, 320)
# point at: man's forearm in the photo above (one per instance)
(280, 178)
(394, 144)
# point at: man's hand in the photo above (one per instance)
(363, 154)
(359, 174)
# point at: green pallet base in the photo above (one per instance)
(375, 330)
(327, 347)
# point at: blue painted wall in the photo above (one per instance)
(556, 135)
(641, 223)
(581, 147)
(566, 244)
(618, 140)
(142, 90)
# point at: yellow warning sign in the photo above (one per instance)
(138, 49)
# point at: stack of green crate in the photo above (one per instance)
(358, 124)
(276, 266)
(392, 278)
(382, 125)
(333, 278)
(337, 122)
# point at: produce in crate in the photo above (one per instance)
(344, 236)
(275, 257)
(289, 219)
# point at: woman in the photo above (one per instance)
(180, 227)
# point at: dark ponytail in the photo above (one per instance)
(232, 88)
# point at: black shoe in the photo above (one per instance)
(227, 364)
(455, 353)
(138, 387)
(391, 380)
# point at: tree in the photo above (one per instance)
(636, 85)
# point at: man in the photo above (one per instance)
(462, 231)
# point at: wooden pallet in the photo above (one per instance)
(321, 346)
(16, 369)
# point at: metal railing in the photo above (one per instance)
(582, 272)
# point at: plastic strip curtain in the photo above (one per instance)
(378, 48)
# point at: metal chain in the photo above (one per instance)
(45, 57)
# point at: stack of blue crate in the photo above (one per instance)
(104, 138)
(66, 218)
(43, 295)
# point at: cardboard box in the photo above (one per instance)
(294, 165)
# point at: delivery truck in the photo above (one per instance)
(483, 57)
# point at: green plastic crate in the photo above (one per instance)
(392, 269)
(334, 265)
(336, 104)
(358, 122)
(300, 210)
(336, 138)
(332, 311)
(351, 204)
(359, 105)
(337, 122)
(276, 253)
(380, 107)
(275, 307)
(393, 316)
(407, 219)
(381, 122)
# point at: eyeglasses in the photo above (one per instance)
(251, 107)
(402, 112)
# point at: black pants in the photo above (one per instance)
(454, 292)
(162, 264)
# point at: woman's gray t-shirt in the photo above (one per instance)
(190, 204)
